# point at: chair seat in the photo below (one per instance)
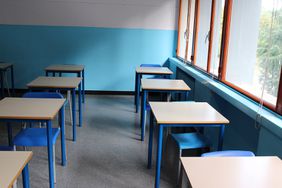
(190, 140)
(35, 137)
(229, 153)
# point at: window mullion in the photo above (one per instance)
(225, 39)
(279, 96)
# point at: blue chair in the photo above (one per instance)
(193, 140)
(229, 153)
(35, 137)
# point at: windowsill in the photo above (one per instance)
(269, 119)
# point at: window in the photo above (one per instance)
(238, 41)
(209, 35)
(215, 36)
(183, 14)
(255, 48)
(203, 34)
(186, 29)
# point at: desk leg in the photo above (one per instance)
(63, 143)
(137, 93)
(73, 115)
(54, 74)
(10, 134)
(50, 153)
(2, 84)
(159, 156)
(135, 89)
(143, 114)
(79, 104)
(46, 73)
(150, 144)
(60, 74)
(186, 96)
(12, 81)
(220, 139)
(25, 177)
(83, 87)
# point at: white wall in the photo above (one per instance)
(147, 14)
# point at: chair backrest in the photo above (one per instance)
(229, 153)
(150, 65)
(52, 95)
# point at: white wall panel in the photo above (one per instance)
(147, 14)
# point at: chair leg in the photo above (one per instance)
(54, 163)
(23, 125)
(15, 183)
(179, 168)
(70, 105)
(165, 141)
(7, 84)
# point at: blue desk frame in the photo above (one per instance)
(160, 142)
(73, 104)
(2, 71)
(79, 74)
(25, 177)
(49, 144)
(144, 103)
(138, 77)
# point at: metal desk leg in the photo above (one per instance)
(79, 105)
(46, 73)
(2, 84)
(63, 143)
(50, 153)
(83, 87)
(159, 156)
(220, 139)
(73, 115)
(54, 74)
(135, 89)
(150, 144)
(187, 96)
(25, 175)
(10, 134)
(12, 81)
(143, 114)
(138, 93)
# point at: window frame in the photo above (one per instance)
(279, 96)
(224, 49)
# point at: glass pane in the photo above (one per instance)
(217, 35)
(183, 27)
(255, 48)
(191, 30)
(203, 34)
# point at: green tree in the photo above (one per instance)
(269, 51)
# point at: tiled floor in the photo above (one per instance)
(107, 154)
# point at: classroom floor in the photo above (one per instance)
(108, 152)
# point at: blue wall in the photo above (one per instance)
(109, 54)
